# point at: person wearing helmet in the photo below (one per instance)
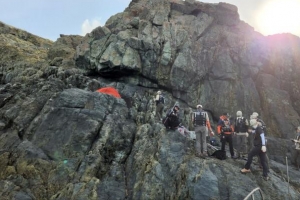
(296, 153)
(241, 130)
(259, 149)
(200, 120)
(159, 100)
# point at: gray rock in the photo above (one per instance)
(59, 139)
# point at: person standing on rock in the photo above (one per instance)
(259, 149)
(241, 132)
(263, 126)
(200, 120)
(260, 122)
(296, 153)
(225, 130)
(160, 101)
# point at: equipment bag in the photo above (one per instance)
(241, 125)
(220, 154)
(161, 99)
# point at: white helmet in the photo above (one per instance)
(199, 106)
(158, 92)
(239, 113)
(255, 114)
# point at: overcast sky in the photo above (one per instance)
(49, 18)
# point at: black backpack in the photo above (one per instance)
(161, 99)
(240, 125)
(263, 124)
(220, 154)
(226, 128)
(199, 118)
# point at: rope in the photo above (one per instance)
(251, 193)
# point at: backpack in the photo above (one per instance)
(220, 154)
(240, 125)
(161, 99)
(213, 141)
(200, 118)
(226, 128)
(263, 125)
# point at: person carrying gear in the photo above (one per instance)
(261, 123)
(241, 130)
(160, 101)
(259, 149)
(172, 119)
(225, 130)
(263, 126)
(224, 116)
(297, 149)
(200, 120)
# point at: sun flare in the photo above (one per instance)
(279, 16)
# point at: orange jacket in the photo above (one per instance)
(219, 129)
(221, 123)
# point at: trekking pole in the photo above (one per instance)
(169, 113)
(287, 172)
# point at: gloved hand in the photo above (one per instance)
(263, 148)
(212, 133)
(234, 133)
(247, 134)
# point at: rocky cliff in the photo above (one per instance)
(62, 140)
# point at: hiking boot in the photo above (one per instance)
(266, 178)
(234, 157)
(205, 154)
(200, 155)
(245, 170)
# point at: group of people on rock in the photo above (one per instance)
(247, 134)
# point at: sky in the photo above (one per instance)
(50, 18)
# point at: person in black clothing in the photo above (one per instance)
(241, 133)
(225, 130)
(263, 126)
(259, 149)
(172, 119)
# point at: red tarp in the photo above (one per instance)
(109, 90)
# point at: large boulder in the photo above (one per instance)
(59, 139)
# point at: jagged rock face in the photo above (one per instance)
(202, 53)
(61, 140)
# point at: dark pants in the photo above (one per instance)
(227, 138)
(256, 151)
(159, 111)
(296, 155)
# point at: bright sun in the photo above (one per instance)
(279, 16)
